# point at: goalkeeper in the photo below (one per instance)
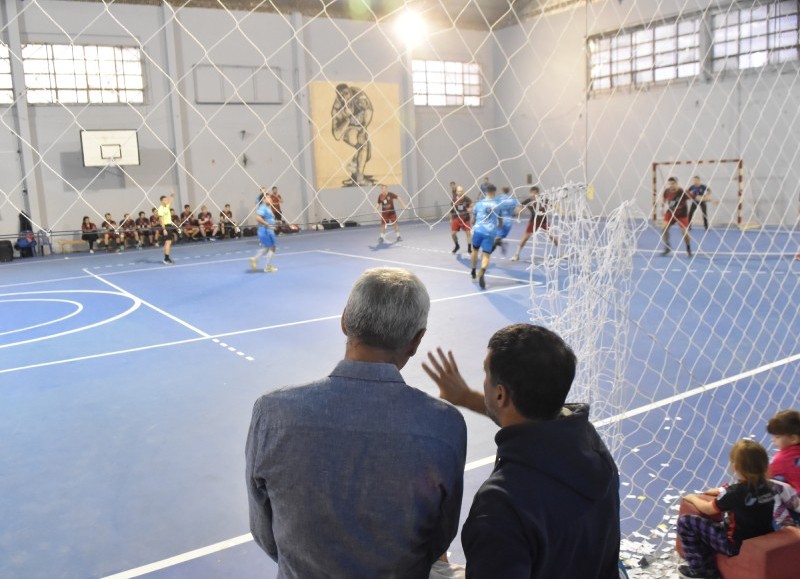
(677, 211)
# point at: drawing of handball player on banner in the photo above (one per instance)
(352, 113)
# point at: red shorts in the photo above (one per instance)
(670, 218)
(537, 223)
(208, 226)
(459, 224)
(388, 217)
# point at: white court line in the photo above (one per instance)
(222, 335)
(149, 305)
(78, 309)
(148, 269)
(447, 269)
(216, 547)
(135, 306)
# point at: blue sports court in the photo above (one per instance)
(126, 386)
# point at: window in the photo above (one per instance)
(648, 55)
(440, 83)
(71, 74)
(6, 87)
(756, 36)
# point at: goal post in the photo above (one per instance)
(724, 178)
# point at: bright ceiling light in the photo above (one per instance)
(411, 28)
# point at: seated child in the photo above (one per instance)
(785, 430)
(748, 507)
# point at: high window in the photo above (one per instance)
(439, 83)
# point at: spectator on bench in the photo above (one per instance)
(227, 225)
(359, 475)
(89, 232)
(206, 224)
(155, 225)
(188, 224)
(110, 233)
(128, 227)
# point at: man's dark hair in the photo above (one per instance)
(162, 197)
(535, 365)
(491, 188)
(785, 423)
(535, 188)
(672, 179)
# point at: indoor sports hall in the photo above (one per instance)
(127, 384)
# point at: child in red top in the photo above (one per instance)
(785, 430)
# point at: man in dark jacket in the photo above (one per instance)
(551, 506)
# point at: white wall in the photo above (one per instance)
(611, 140)
(535, 118)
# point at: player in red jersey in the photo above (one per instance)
(206, 224)
(128, 227)
(538, 220)
(155, 225)
(385, 207)
(143, 228)
(276, 200)
(110, 232)
(227, 225)
(188, 223)
(460, 215)
(677, 211)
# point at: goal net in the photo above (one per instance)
(724, 196)
(598, 103)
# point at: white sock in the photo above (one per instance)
(260, 253)
(270, 255)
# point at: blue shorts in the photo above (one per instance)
(503, 232)
(267, 238)
(483, 240)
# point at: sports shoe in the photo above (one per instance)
(380, 239)
(211, 238)
(515, 257)
(689, 573)
(399, 239)
(139, 245)
(253, 265)
(481, 280)
(168, 261)
(270, 269)
(91, 251)
(456, 248)
(155, 244)
(666, 252)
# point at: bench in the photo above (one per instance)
(63, 244)
(772, 556)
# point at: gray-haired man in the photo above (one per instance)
(358, 474)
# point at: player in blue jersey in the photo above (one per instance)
(484, 230)
(507, 206)
(699, 195)
(266, 232)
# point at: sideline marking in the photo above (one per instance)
(223, 334)
(145, 269)
(221, 546)
(78, 309)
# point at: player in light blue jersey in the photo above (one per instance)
(507, 207)
(266, 232)
(484, 230)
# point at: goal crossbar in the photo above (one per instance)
(740, 181)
